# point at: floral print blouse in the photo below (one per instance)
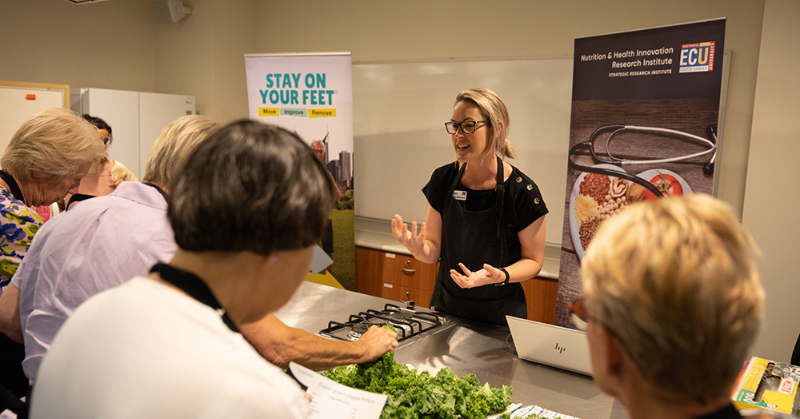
(18, 224)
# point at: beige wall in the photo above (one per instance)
(107, 45)
(414, 30)
(117, 44)
(203, 55)
(772, 205)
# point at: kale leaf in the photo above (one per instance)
(415, 395)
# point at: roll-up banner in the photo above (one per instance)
(312, 95)
(645, 112)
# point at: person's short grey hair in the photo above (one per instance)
(250, 187)
(172, 146)
(674, 280)
(53, 143)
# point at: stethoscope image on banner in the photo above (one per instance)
(616, 129)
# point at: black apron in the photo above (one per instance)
(474, 238)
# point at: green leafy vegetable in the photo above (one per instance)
(390, 327)
(415, 395)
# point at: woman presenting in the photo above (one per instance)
(485, 218)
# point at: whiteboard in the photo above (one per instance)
(399, 111)
(16, 108)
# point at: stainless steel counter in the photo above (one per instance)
(467, 347)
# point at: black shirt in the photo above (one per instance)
(523, 203)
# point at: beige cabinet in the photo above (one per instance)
(400, 277)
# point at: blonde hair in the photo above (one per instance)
(174, 143)
(493, 109)
(53, 143)
(675, 282)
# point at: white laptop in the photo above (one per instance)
(555, 346)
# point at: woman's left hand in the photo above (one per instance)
(487, 275)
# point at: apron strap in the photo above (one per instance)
(457, 179)
(195, 287)
(12, 185)
(500, 190)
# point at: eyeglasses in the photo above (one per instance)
(467, 127)
(580, 317)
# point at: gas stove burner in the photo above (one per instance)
(356, 330)
(361, 328)
(408, 321)
(400, 315)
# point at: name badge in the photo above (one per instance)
(460, 195)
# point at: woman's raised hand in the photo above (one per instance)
(410, 239)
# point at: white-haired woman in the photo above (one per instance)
(45, 159)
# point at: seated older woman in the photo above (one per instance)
(45, 159)
(674, 302)
(247, 208)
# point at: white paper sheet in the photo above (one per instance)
(332, 400)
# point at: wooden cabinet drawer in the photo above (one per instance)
(407, 271)
(394, 276)
(369, 271)
(419, 297)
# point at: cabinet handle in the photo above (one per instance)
(408, 271)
